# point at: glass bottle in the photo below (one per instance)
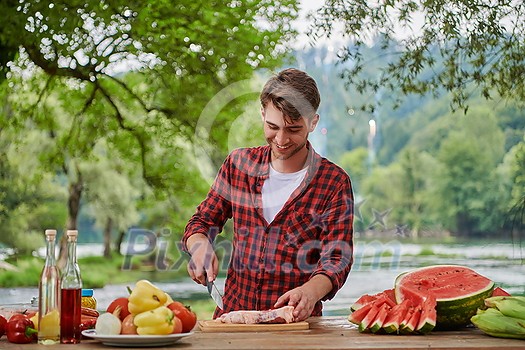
(70, 298)
(49, 295)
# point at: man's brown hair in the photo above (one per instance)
(293, 92)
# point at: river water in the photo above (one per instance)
(375, 268)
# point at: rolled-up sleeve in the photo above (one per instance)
(213, 212)
(336, 255)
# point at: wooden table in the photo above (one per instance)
(324, 333)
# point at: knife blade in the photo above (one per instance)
(215, 294)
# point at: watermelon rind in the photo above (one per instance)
(452, 312)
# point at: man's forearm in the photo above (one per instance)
(195, 240)
(320, 284)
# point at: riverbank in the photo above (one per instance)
(376, 265)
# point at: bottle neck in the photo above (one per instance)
(72, 252)
(50, 252)
(71, 277)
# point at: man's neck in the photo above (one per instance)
(292, 164)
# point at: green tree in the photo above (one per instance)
(30, 200)
(61, 62)
(404, 190)
(355, 162)
(468, 183)
(462, 47)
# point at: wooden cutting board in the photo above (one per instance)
(218, 326)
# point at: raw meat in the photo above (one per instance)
(281, 315)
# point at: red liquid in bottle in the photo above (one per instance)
(70, 312)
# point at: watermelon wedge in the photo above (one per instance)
(411, 325)
(427, 321)
(458, 291)
(500, 292)
(358, 315)
(362, 301)
(378, 301)
(367, 321)
(395, 316)
(377, 323)
(366, 298)
(408, 316)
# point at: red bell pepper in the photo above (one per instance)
(20, 329)
(3, 325)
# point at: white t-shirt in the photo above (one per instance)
(276, 190)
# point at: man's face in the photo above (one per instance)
(286, 138)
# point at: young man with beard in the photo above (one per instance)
(292, 211)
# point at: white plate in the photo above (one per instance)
(132, 340)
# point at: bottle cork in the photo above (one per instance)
(72, 233)
(51, 233)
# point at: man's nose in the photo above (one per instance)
(281, 137)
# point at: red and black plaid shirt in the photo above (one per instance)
(312, 234)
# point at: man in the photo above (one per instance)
(292, 212)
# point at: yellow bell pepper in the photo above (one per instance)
(169, 300)
(158, 321)
(144, 297)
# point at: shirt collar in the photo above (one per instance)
(313, 161)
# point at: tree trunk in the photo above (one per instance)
(120, 239)
(107, 238)
(73, 207)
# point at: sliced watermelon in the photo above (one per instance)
(411, 325)
(427, 322)
(367, 321)
(366, 298)
(500, 292)
(395, 316)
(408, 316)
(362, 301)
(380, 300)
(358, 315)
(377, 323)
(391, 294)
(458, 290)
(384, 299)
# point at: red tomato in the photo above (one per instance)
(184, 313)
(123, 303)
(3, 325)
(128, 327)
(177, 325)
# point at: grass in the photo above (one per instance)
(96, 272)
(27, 274)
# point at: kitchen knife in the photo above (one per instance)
(215, 294)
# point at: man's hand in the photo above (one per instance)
(203, 265)
(304, 297)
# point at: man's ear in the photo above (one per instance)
(313, 123)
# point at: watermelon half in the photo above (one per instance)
(458, 291)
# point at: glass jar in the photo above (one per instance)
(88, 300)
